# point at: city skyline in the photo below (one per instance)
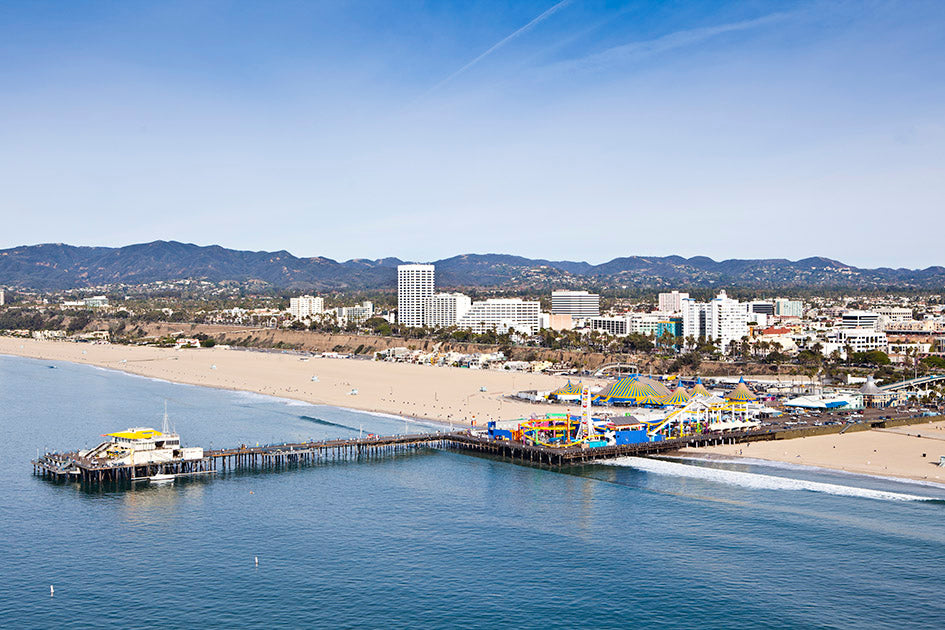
(725, 130)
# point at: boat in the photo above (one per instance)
(162, 478)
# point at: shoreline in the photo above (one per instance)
(274, 397)
(909, 452)
(438, 395)
(782, 465)
(443, 397)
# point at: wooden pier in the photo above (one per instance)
(72, 466)
(63, 466)
(300, 453)
(60, 466)
(519, 452)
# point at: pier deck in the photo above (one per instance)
(274, 456)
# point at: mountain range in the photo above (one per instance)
(52, 267)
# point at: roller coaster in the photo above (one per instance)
(702, 414)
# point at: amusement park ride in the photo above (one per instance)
(699, 414)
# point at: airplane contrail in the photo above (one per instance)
(502, 42)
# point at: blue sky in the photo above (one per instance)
(569, 130)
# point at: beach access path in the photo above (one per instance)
(439, 394)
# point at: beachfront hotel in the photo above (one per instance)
(444, 310)
(418, 305)
(304, 306)
(502, 315)
(577, 304)
(414, 290)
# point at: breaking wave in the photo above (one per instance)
(770, 463)
(328, 423)
(756, 481)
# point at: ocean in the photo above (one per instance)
(435, 539)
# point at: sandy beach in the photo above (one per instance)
(453, 396)
(441, 394)
(910, 452)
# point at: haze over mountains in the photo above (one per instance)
(60, 267)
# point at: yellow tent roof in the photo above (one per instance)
(570, 388)
(135, 434)
(741, 393)
(699, 389)
(634, 388)
(679, 397)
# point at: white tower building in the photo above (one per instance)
(722, 320)
(414, 290)
(304, 306)
(445, 309)
(672, 302)
(502, 315)
(577, 304)
(727, 320)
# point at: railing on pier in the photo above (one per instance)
(274, 456)
(298, 453)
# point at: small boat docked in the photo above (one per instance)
(162, 478)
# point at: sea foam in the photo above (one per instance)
(756, 481)
(771, 463)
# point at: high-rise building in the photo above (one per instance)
(445, 309)
(672, 302)
(860, 319)
(2, 297)
(694, 318)
(763, 308)
(727, 320)
(356, 314)
(577, 304)
(788, 308)
(722, 320)
(304, 306)
(414, 290)
(502, 315)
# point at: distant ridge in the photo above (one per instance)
(59, 266)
